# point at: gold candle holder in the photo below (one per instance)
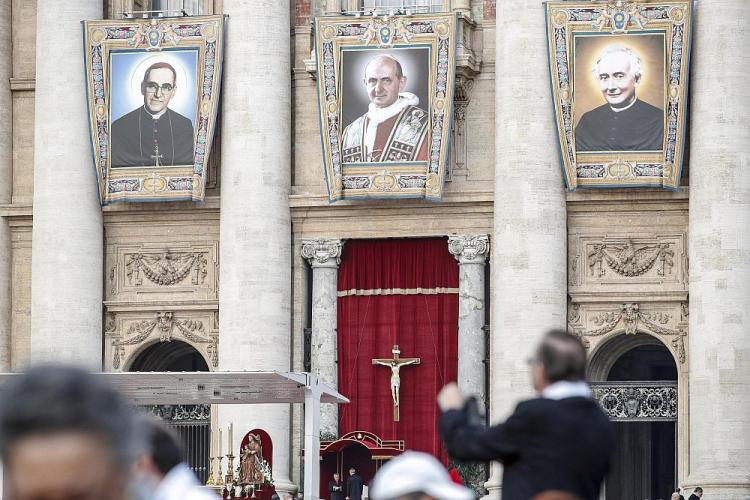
(211, 479)
(230, 469)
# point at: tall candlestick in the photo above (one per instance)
(231, 433)
(220, 453)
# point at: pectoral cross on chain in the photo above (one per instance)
(395, 365)
(156, 156)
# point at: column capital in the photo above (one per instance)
(322, 252)
(469, 249)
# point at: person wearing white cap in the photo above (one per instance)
(416, 476)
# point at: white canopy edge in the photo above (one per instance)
(184, 388)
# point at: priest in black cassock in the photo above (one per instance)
(624, 123)
(153, 134)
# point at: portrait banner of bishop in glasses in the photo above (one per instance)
(153, 93)
(619, 74)
(385, 94)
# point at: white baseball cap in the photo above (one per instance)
(413, 472)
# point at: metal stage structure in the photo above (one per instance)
(217, 388)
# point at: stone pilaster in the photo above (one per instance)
(6, 180)
(324, 256)
(529, 239)
(255, 225)
(719, 250)
(67, 238)
(471, 252)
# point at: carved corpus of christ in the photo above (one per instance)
(395, 365)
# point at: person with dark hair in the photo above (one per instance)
(354, 485)
(697, 494)
(559, 442)
(161, 472)
(153, 134)
(65, 435)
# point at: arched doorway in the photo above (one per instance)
(362, 450)
(191, 423)
(635, 380)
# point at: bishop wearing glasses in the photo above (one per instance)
(153, 135)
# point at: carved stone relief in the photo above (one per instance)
(166, 268)
(464, 86)
(127, 332)
(606, 262)
(189, 270)
(593, 322)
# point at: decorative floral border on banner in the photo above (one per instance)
(436, 33)
(160, 182)
(670, 19)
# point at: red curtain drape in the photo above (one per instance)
(402, 292)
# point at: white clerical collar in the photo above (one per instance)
(155, 116)
(376, 116)
(567, 389)
(617, 110)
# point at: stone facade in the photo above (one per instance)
(232, 276)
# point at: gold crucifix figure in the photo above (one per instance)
(395, 365)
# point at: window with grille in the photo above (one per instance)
(192, 7)
(412, 5)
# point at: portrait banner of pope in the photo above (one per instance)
(619, 88)
(153, 93)
(385, 94)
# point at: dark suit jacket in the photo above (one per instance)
(336, 490)
(694, 497)
(354, 487)
(545, 445)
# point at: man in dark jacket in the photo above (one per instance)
(697, 494)
(354, 485)
(336, 488)
(559, 441)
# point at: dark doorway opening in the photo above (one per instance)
(644, 462)
(191, 423)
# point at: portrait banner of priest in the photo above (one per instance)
(619, 74)
(385, 93)
(153, 93)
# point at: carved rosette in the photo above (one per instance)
(667, 323)
(469, 249)
(322, 252)
(127, 335)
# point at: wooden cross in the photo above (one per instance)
(395, 365)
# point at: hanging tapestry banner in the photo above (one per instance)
(385, 94)
(153, 93)
(619, 73)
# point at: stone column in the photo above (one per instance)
(719, 220)
(6, 180)
(463, 6)
(67, 238)
(529, 239)
(471, 253)
(255, 224)
(324, 257)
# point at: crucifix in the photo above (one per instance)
(395, 365)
